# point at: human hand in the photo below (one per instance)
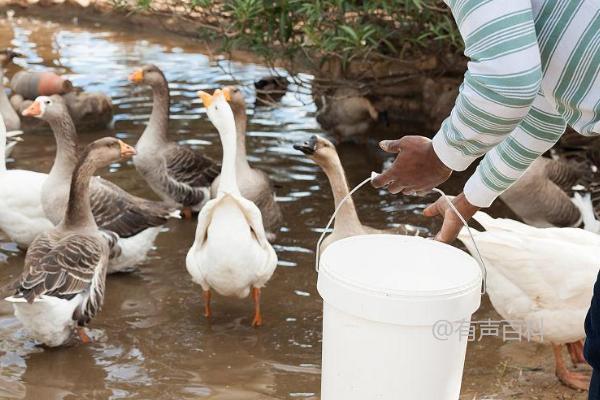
(416, 169)
(452, 223)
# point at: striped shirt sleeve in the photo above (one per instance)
(502, 80)
(508, 161)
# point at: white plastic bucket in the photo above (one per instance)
(384, 298)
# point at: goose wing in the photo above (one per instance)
(254, 218)
(61, 266)
(188, 174)
(118, 211)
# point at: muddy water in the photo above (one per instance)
(150, 341)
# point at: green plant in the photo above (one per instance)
(323, 29)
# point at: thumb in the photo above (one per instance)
(391, 146)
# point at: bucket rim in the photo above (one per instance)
(456, 291)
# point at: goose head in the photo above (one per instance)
(235, 97)
(219, 112)
(46, 108)
(318, 149)
(149, 75)
(106, 151)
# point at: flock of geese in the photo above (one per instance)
(78, 227)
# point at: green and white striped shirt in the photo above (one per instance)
(534, 68)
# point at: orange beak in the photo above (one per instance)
(137, 76)
(34, 110)
(227, 93)
(206, 98)
(126, 150)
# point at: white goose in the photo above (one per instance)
(541, 275)
(22, 217)
(230, 253)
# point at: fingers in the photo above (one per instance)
(432, 210)
(450, 229)
(382, 179)
(395, 188)
(391, 146)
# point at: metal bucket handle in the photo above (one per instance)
(369, 179)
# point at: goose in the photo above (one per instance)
(270, 89)
(540, 196)
(22, 217)
(229, 220)
(541, 277)
(62, 285)
(136, 221)
(12, 121)
(253, 183)
(12, 138)
(347, 223)
(176, 173)
(347, 114)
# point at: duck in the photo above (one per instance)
(253, 183)
(270, 89)
(347, 114)
(136, 221)
(12, 121)
(176, 173)
(541, 277)
(347, 223)
(62, 285)
(22, 216)
(229, 219)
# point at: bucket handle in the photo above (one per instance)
(369, 179)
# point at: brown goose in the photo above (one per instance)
(347, 114)
(540, 196)
(176, 173)
(135, 220)
(347, 223)
(62, 285)
(254, 184)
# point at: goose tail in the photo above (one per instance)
(584, 204)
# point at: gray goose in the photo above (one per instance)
(176, 173)
(541, 197)
(347, 223)
(134, 220)
(62, 285)
(254, 184)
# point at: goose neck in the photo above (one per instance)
(65, 134)
(158, 124)
(228, 182)
(79, 212)
(241, 157)
(347, 217)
